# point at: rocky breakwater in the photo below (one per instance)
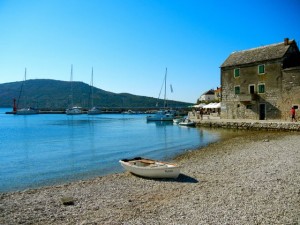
(250, 124)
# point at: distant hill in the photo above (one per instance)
(54, 94)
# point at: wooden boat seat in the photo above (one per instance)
(147, 161)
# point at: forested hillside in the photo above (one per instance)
(54, 94)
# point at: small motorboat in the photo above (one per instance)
(188, 122)
(177, 120)
(150, 168)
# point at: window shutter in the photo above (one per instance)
(261, 69)
(236, 72)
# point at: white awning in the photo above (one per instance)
(218, 105)
(213, 106)
(199, 106)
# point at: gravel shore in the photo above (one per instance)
(249, 179)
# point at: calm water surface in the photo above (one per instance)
(37, 150)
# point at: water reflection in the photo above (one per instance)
(161, 123)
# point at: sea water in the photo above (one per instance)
(48, 149)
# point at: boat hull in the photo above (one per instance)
(177, 120)
(162, 115)
(94, 111)
(188, 124)
(151, 168)
(74, 111)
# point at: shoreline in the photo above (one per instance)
(252, 178)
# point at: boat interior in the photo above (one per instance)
(141, 162)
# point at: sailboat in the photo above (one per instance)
(74, 110)
(94, 110)
(26, 110)
(163, 114)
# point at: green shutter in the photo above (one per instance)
(261, 88)
(261, 69)
(236, 72)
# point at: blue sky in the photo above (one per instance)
(129, 43)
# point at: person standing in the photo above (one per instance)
(201, 113)
(293, 114)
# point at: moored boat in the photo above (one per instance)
(151, 168)
(74, 111)
(187, 122)
(94, 111)
(162, 115)
(177, 120)
(27, 111)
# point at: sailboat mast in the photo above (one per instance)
(92, 84)
(165, 103)
(25, 84)
(21, 89)
(71, 85)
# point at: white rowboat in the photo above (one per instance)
(151, 168)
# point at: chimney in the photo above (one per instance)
(286, 41)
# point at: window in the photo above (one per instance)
(248, 106)
(261, 69)
(236, 72)
(261, 88)
(237, 90)
(251, 89)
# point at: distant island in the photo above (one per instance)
(55, 94)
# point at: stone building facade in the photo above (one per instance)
(261, 83)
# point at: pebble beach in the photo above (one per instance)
(252, 178)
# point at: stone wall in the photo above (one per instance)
(290, 92)
(250, 125)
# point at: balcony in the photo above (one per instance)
(246, 97)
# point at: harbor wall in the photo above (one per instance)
(250, 125)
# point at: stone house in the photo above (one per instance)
(207, 96)
(261, 83)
